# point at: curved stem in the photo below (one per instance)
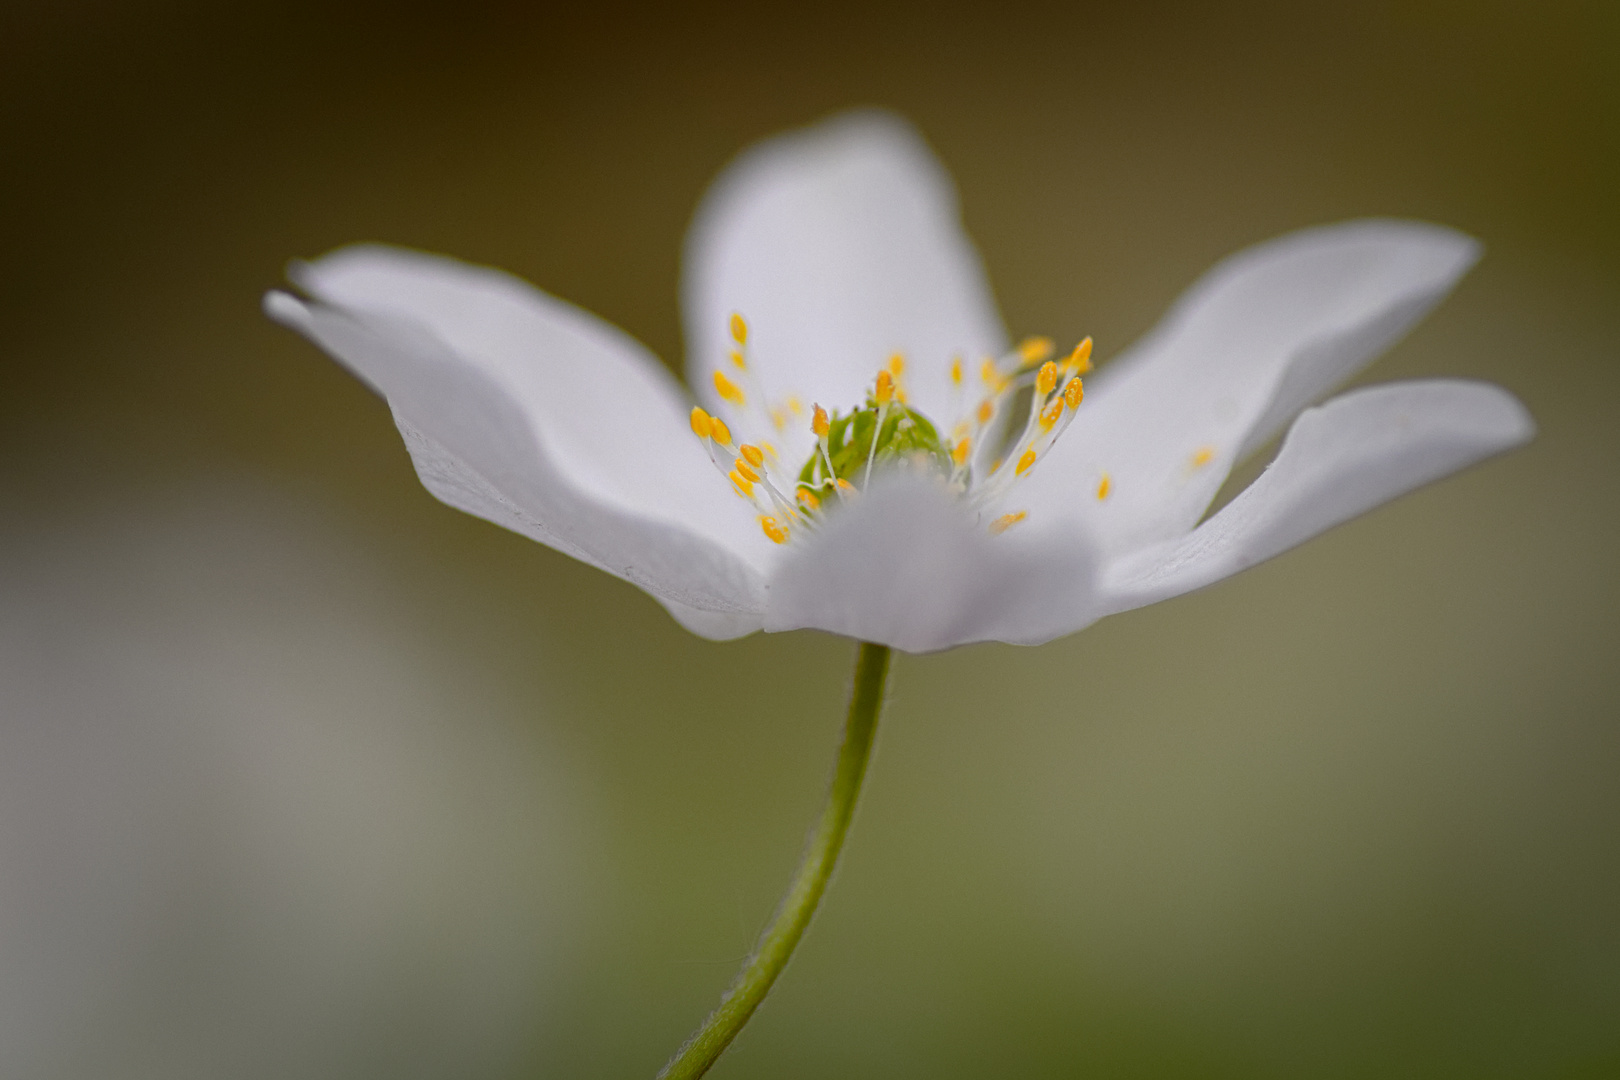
(809, 882)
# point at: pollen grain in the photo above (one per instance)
(1035, 349)
(728, 390)
(1074, 393)
(1007, 521)
(1046, 380)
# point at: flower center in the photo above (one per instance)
(971, 460)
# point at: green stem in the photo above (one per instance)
(815, 869)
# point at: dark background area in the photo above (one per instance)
(305, 774)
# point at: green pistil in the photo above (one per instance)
(907, 438)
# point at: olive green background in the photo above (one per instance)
(1355, 813)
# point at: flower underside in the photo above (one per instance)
(1007, 419)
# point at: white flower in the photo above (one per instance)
(841, 246)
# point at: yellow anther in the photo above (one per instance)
(778, 419)
(700, 422)
(1203, 456)
(754, 455)
(1025, 463)
(844, 485)
(728, 390)
(770, 451)
(795, 406)
(1035, 349)
(1050, 414)
(885, 388)
(745, 472)
(745, 486)
(739, 329)
(990, 374)
(818, 422)
(956, 371)
(1103, 487)
(960, 452)
(719, 432)
(900, 394)
(1074, 393)
(777, 534)
(1007, 521)
(808, 498)
(1046, 379)
(986, 411)
(1079, 361)
(897, 365)
(737, 358)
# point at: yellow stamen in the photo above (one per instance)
(959, 453)
(986, 411)
(728, 390)
(753, 454)
(818, 422)
(1074, 393)
(1079, 361)
(1050, 414)
(747, 473)
(808, 497)
(745, 487)
(1035, 349)
(989, 373)
(1103, 487)
(1025, 463)
(897, 365)
(1046, 380)
(795, 406)
(770, 451)
(719, 432)
(1007, 521)
(956, 371)
(739, 329)
(885, 388)
(778, 419)
(700, 423)
(844, 485)
(777, 534)
(737, 358)
(1203, 456)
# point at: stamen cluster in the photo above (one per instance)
(849, 446)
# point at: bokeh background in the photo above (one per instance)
(305, 775)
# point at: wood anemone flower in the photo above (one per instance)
(870, 454)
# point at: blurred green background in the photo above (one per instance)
(307, 775)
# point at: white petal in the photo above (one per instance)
(714, 625)
(1339, 460)
(608, 413)
(841, 245)
(904, 565)
(479, 446)
(1257, 338)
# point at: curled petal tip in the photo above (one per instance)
(285, 308)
